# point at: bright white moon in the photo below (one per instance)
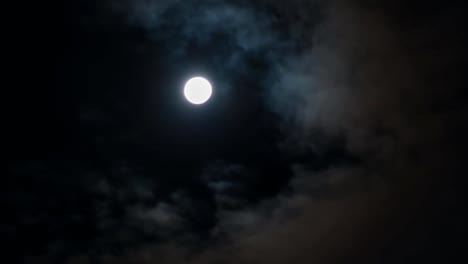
(198, 90)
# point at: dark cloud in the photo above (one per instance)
(367, 106)
(391, 92)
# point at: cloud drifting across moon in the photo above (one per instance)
(364, 144)
(349, 78)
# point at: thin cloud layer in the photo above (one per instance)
(369, 123)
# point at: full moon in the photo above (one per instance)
(198, 90)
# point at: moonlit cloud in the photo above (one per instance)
(362, 104)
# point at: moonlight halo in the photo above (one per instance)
(198, 90)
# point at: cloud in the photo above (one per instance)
(360, 76)
(199, 22)
(376, 83)
(163, 218)
(232, 184)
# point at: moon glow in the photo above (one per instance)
(198, 90)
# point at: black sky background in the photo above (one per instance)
(336, 132)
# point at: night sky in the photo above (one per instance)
(336, 133)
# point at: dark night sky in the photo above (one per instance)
(336, 132)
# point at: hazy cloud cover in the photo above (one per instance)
(385, 88)
(379, 89)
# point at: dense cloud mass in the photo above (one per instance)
(366, 124)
